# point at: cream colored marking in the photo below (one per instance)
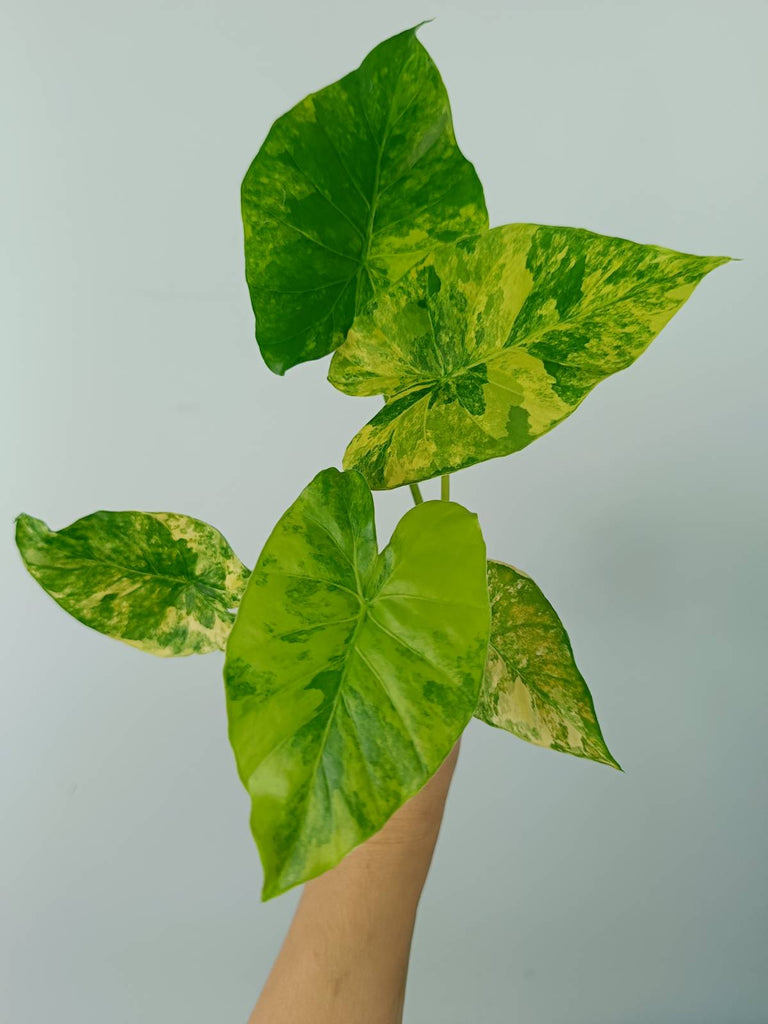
(516, 706)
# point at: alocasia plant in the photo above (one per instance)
(350, 672)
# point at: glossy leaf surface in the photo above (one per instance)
(162, 582)
(532, 686)
(351, 188)
(488, 344)
(350, 674)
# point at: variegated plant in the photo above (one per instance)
(350, 672)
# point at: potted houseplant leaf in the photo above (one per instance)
(351, 671)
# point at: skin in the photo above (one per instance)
(345, 958)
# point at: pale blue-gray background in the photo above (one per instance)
(562, 891)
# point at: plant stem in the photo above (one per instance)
(445, 487)
(416, 494)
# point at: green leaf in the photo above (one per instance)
(490, 343)
(162, 582)
(532, 687)
(350, 674)
(351, 188)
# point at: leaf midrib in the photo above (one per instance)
(297, 834)
(524, 344)
(129, 571)
(528, 682)
(376, 192)
(352, 650)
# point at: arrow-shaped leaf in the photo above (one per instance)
(162, 582)
(532, 687)
(350, 189)
(490, 343)
(349, 673)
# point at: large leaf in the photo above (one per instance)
(350, 674)
(351, 188)
(532, 687)
(490, 343)
(162, 582)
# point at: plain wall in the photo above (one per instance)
(561, 891)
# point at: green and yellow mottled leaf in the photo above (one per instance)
(490, 343)
(162, 582)
(350, 674)
(351, 188)
(532, 687)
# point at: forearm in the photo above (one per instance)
(345, 958)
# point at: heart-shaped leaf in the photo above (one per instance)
(162, 582)
(532, 687)
(490, 343)
(350, 189)
(350, 674)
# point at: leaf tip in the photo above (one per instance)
(277, 366)
(276, 884)
(421, 24)
(269, 890)
(24, 525)
(719, 261)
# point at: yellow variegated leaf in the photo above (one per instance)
(352, 187)
(532, 686)
(162, 582)
(351, 672)
(490, 343)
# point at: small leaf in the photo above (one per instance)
(350, 674)
(532, 687)
(350, 189)
(162, 582)
(492, 342)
